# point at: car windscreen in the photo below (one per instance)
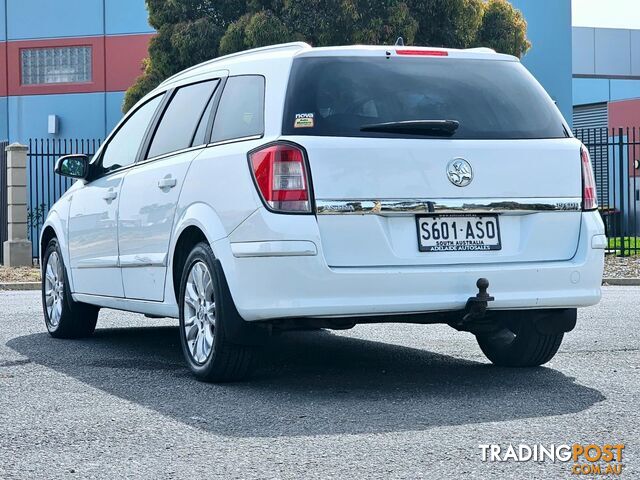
(482, 99)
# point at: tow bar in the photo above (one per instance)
(474, 316)
(476, 307)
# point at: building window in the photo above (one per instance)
(42, 66)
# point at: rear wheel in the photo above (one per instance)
(518, 343)
(209, 354)
(63, 317)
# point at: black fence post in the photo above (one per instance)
(4, 221)
(44, 187)
(623, 168)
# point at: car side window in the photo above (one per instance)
(241, 110)
(123, 147)
(200, 137)
(181, 118)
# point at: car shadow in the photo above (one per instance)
(310, 383)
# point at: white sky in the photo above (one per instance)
(606, 13)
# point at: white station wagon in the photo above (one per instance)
(292, 187)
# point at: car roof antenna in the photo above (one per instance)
(400, 42)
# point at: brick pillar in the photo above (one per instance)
(17, 249)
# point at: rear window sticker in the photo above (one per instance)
(303, 120)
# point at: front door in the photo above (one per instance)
(93, 237)
(93, 215)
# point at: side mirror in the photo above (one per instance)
(74, 166)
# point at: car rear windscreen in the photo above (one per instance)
(490, 99)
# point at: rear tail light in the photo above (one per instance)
(589, 194)
(280, 173)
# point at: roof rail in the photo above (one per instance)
(290, 45)
(480, 50)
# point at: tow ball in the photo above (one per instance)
(476, 307)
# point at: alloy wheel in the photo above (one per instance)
(54, 289)
(199, 313)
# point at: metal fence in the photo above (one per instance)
(4, 221)
(45, 187)
(615, 155)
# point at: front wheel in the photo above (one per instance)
(64, 317)
(518, 343)
(211, 357)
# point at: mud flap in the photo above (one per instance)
(553, 322)
(237, 330)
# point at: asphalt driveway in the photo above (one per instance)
(378, 401)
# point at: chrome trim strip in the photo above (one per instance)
(99, 262)
(135, 260)
(283, 248)
(142, 265)
(171, 154)
(235, 140)
(448, 205)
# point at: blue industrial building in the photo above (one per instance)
(99, 46)
(549, 59)
(107, 39)
(606, 83)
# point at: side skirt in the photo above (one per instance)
(158, 309)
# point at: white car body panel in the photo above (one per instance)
(57, 222)
(387, 169)
(148, 205)
(280, 266)
(93, 237)
(234, 198)
(311, 285)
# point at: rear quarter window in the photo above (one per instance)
(241, 110)
(491, 99)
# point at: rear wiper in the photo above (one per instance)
(440, 128)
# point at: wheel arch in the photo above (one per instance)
(48, 233)
(189, 238)
(54, 228)
(197, 223)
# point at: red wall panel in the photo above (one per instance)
(116, 64)
(624, 114)
(124, 59)
(3, 69)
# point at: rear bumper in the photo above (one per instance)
(302, 285)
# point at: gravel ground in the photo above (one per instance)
(19, 274)
(378, 401)
(614, 267)
(621, 267)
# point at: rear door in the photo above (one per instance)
(425, 194)
(151, 189)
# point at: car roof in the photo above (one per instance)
(301, 49)
(402, 50)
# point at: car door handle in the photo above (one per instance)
(168, 182)
(110, 195)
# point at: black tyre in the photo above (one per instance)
(211, 357)
(518, 343)
(63, 317)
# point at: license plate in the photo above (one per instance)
(457, 233)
